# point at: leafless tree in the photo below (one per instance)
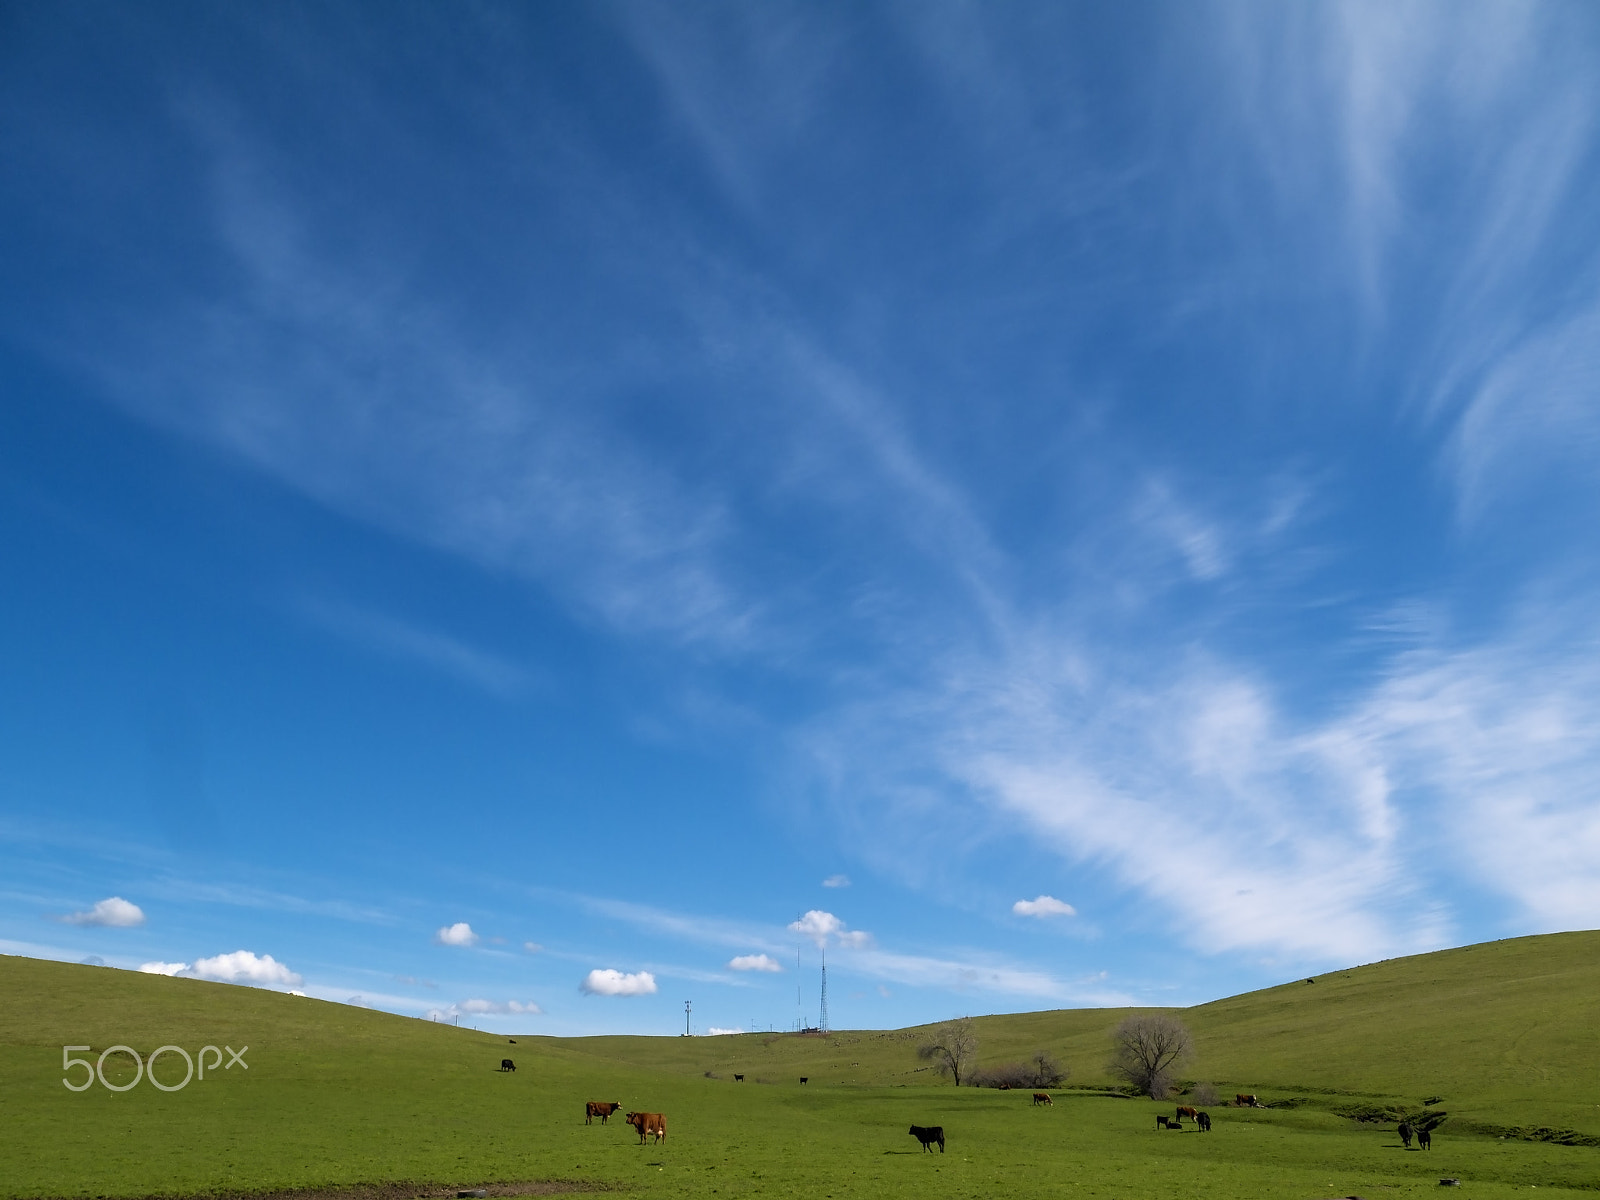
(1148, 1051)
(951, 1047)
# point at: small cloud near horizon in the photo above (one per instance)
(836, 881)
(614, 983)
(111, 913)
(494, 1007)
(753, 962)
(718, 1031)
(1043, 906)
(242, 966)
(459, 934)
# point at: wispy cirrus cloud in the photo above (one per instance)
(402, 639)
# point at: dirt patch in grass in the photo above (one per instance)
(408, 1191)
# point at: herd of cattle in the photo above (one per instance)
(655, 1124)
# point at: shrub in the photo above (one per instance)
(1041, 1071)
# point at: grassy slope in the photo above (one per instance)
(1509, 1025)
(1503, 1031)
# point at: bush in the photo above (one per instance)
(1206, 1093)
(1041, 1071)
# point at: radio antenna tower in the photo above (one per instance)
(686, 1006)
(822, 1023)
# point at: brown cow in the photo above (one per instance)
(648, 1123)
(1043, 1098)
(1240, 1100)
(1185, 1111)
(598, 1108)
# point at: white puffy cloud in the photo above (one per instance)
(482, 1007)
(113, 912)
(718, 1031)
(1043, 906)
(753, 962)
(459, 934)
(819, 926)
(836, 881)
(242, 966)
(532, 947)
(164, 968)
(615, 983)
(816, 925)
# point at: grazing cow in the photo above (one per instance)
(1043, 1098)
(738, 1078)
(1204, 1121)
(1240, 1100)
(1425, 1138)
(1005, 1087)
(598, 1108)
(507, 1065)
(1404, 1130)
(648, 1123)
(805, 1079)
(928, 1136)
(1185, 1111)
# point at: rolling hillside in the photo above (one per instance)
(1503, 1032)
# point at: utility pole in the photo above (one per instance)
(686, 1006)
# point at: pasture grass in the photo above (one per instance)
(334, 1095)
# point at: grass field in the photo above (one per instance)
(1507, 1033)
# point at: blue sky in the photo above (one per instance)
(539, 513)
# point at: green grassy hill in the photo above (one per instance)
(1504, 1032)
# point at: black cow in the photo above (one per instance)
(1404, 1131)
(1425, 1139)
(1161, 1120)
(1204, 1121)
(738, 1078)
(507, 1065)
(928, 1136)
(805, 1079)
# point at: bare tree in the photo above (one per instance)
(1149, 1049)
(951, 1047)
(1047, 1072)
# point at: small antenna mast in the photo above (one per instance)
(687, 1005)
(822, 1023)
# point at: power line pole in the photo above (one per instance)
(686, 1006)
